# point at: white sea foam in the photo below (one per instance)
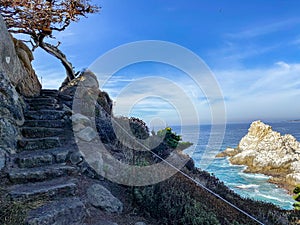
(254, 176)
(248, 186)
(278, 199)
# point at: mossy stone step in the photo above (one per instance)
(41, 132)
(38, 143)
(45, 123)
(66, 211)
(25, 175)
(56, 188)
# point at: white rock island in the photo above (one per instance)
(266, 151)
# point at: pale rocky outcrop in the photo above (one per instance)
(266, 151)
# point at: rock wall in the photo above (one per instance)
(13, 76)
(15, 62)
(266, 151)
(11, 117)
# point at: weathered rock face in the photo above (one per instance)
(266, 151)
(91, 103)
(11, 114)
(29, 85)
(16, 63)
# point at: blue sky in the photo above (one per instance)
(251, 47)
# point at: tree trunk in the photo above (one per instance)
(58, 54)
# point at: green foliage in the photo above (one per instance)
(194, 214)
(297, 205)
(142, 162)
(297, 197)
(171, 138)
(172, 205)
(297, 189)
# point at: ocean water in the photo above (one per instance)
(254, 186)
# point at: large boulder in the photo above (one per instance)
(90, 102)
(85, 89)
(266, 151)
(15, 62)
(102, 198)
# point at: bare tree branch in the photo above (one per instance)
(39, 18)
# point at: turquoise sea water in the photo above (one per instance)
(253, 186)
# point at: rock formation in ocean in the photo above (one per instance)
(266, 151)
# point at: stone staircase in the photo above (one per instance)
(40, 169)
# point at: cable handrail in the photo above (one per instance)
(191, 178)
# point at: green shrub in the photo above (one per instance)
(297, 197)
(171, 138)
(173, 205)
(297, 189)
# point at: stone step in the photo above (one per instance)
(65, 97)
(38, 143)
(36, 174)
(45, 114)
(40, 100)
(56, 188)
(36, 107)
(67, 211)
(45, 123)
(30, 159)
(49, 92)
(41, 132)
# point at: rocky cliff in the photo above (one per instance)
(15, 62)
(17, 78)
(266, 151)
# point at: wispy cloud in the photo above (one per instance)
(260, 30)
(50, 78)
(262, 93)
(258, 40)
